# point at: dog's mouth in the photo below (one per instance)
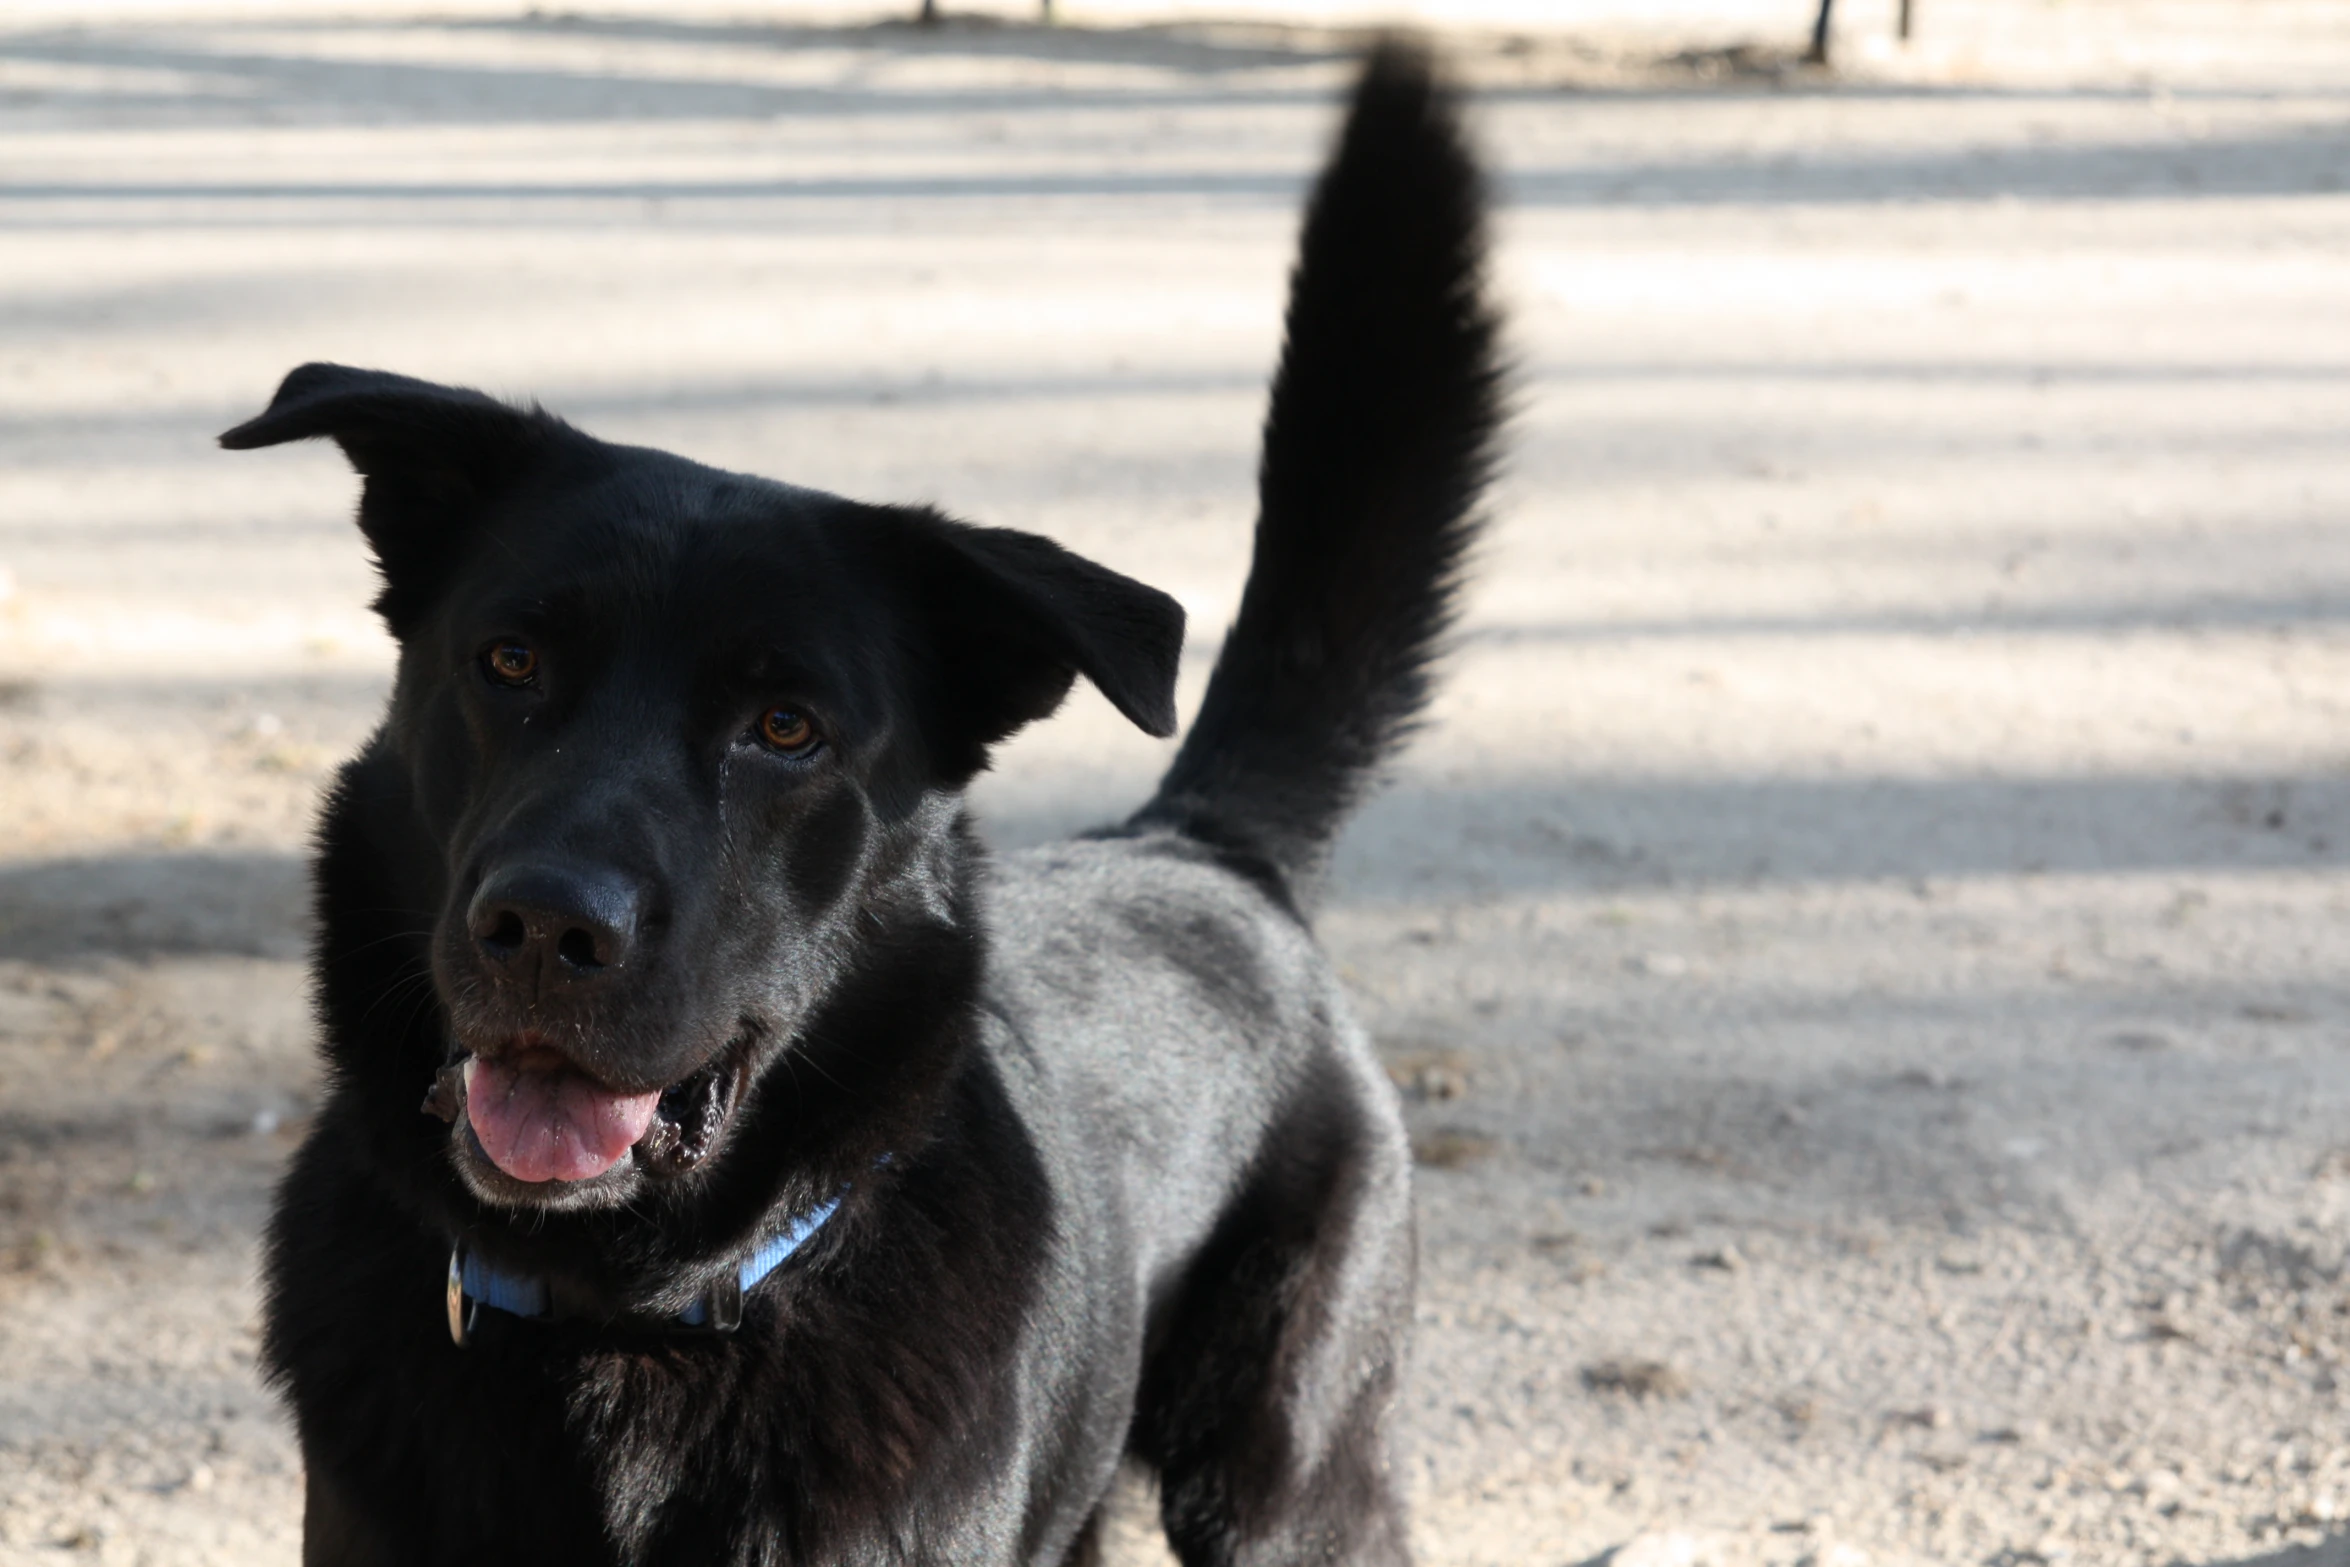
(541, 1120)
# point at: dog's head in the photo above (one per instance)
(673, 747)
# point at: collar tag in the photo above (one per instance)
(461, 1311)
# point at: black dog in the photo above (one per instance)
(797, 1186)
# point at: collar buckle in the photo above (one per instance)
(721, 1306)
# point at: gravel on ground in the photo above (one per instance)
(1862, 942)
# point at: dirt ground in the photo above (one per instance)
(1864, 941)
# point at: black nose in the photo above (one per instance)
(566, 924)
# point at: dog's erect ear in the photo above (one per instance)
(432, 457)
(1015, 618)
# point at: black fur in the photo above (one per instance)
(1378, 443)
(1119, 1176)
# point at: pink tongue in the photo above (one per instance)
(551, 1125)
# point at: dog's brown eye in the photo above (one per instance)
(510, 663)
(786, 730)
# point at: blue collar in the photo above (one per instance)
(474, 1283)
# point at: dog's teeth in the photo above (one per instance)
(657, 1149)
(691, 1114)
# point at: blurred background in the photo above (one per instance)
(1863, 941)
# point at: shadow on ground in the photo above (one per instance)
(153, 904)
(1529, 837)
(2327, 1553)
(323, 74)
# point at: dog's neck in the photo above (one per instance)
(475, 1282)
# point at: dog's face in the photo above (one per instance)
(680, 741)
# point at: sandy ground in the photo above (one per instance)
(1863, 940)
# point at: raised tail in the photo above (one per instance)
(1378, 445)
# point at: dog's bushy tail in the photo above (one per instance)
(1378, 444)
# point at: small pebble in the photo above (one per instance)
(1641, 1379)
(1931, 1417)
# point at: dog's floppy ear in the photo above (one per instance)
(432, 457)
(1014, 619)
